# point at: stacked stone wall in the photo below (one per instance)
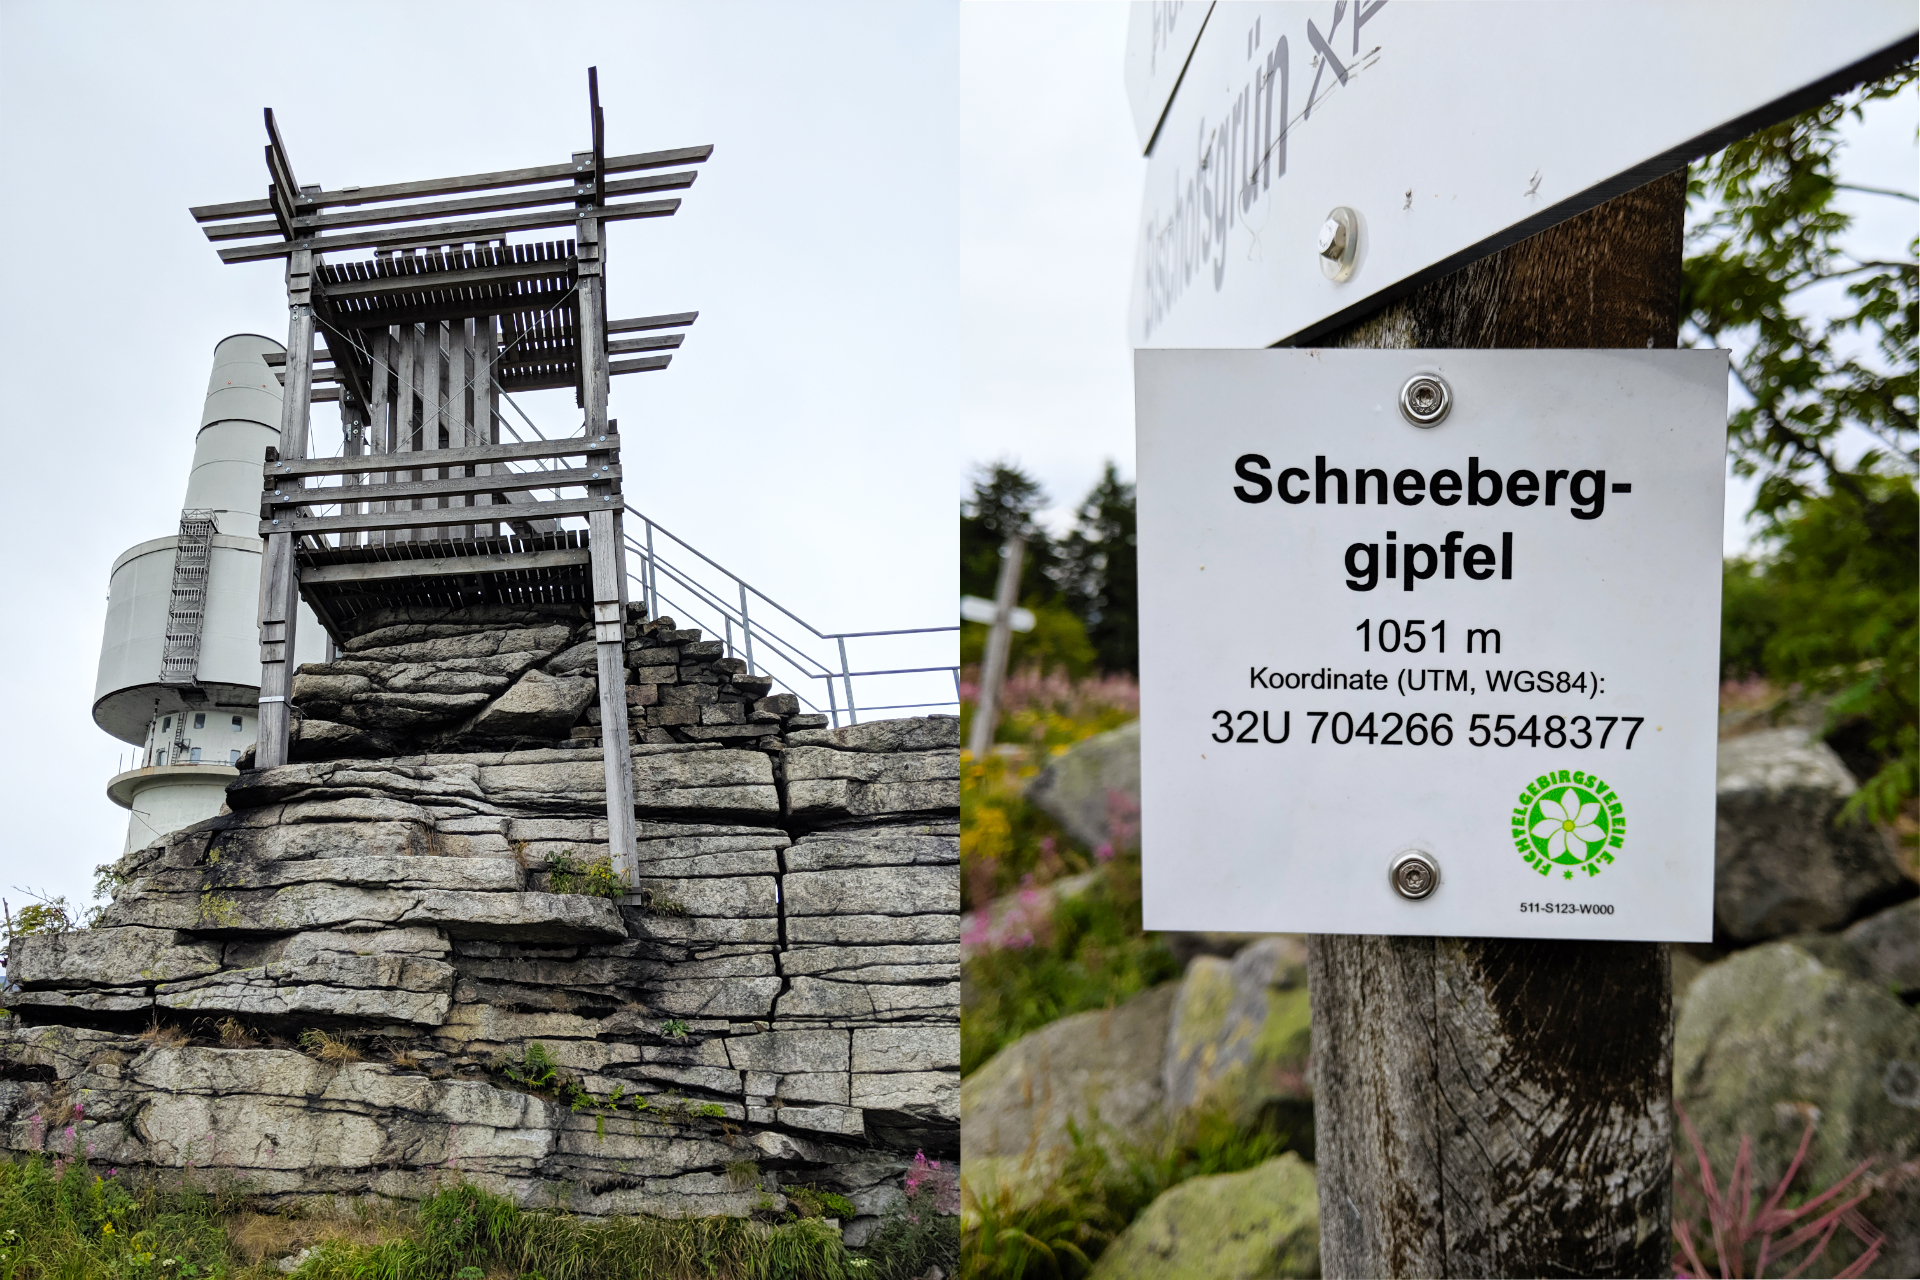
(780, 984)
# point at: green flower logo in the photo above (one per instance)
(1569, 820)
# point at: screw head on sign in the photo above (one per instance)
(1414, 875)
(1339, 244)
(1425, 399)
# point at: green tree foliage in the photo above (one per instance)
(1101, 576)
(1830, 603)
(1081, 588)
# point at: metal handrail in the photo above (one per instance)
(651, 565)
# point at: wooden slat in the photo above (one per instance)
(443, 567)
(407, 376)
(454, 186)
(444, 208)
(448, 232)
(463, 278)
(646, 364)
(431, 518)
(663, 341)
(452, 486)
(513, 451)
(489, 416)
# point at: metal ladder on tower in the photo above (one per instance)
(187, 608)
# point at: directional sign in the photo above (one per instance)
(1429, 640)
(1447, 130)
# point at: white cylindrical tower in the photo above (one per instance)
(180, 663)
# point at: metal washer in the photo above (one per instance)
(1414, 875)
(1426, 399)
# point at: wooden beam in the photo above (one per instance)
(430, 518)
(453, 186)
(645, 364)
(663, 341)
(599, 138)
(449, 232)
(674, 321)
(1448, 1073)
(443, 566)
(443, 208)
(518, 451)
(277, 159)
(454, 486)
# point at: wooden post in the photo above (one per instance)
(279, 581)
(608, 546)
(1494, 1106)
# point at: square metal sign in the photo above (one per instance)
(1430, 640)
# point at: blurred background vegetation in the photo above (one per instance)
(1818, 627)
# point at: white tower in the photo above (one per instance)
(180, 663)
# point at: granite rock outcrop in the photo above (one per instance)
(401, 958)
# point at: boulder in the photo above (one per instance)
(1781, 865)
(1259, 1224)
(1017, 1106)
(537, 706)
(1770, 1036)
(1241, 1031)
(1075, 788)
(1888, 944)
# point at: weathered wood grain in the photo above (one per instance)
(1488, 1106)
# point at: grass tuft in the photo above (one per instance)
(329, 1048)
(235, 1034)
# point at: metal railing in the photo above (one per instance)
(720, 602)
(704, 594)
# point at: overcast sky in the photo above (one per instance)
(805, 436)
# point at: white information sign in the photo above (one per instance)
(1160, 37)
(1449, 130)
(1489, 646)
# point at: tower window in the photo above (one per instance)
(193, 757)
(233, 756)
(166, 724)
(236, 724)
(163, 755)
(199, 719)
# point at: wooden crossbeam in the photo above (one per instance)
(443, 208)
(454, 186)
(673, 321)
(517, 451)
(454, 486)
(660, 342)
(434, 518)
(449, 232)
(646, 364)
(443, 567)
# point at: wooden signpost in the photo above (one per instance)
(1484, 1106)
(419, 342)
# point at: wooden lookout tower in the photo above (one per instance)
(410, 306)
